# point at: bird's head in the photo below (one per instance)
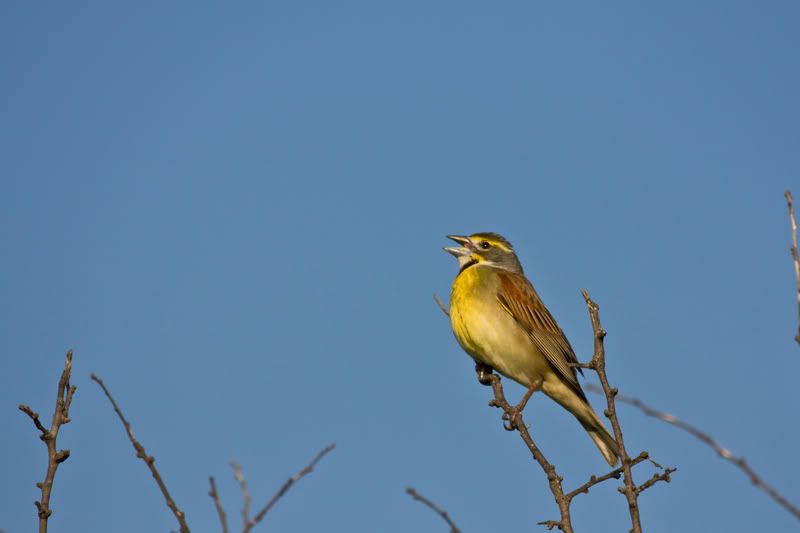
(484, 248)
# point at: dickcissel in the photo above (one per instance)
(499, 320)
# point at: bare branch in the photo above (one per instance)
(436, 509)
(223, 518)
(512, 420)
(49, 436)
(250, 524)
(149, 460)
(598, 363)
(795, 258)
(720, 450)
(441, 305)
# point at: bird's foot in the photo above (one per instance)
(484, 371)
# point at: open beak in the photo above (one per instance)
(466, 249)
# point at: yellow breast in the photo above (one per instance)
(487, 332)
(465, 307)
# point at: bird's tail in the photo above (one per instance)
(601, 437)
(575, 402)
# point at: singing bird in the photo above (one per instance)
(500, 321)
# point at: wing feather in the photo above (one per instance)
(518, 297)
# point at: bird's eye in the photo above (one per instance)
(484, 245)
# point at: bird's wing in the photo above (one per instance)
(518, 297)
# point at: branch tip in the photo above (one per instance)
(223, 518)
(142, 454)
(442, 307)
(795, 257)
(49, 437)
(719, 449)
(435, 508)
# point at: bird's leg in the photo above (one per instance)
(510, 418)
(484, 371)
(533, 388)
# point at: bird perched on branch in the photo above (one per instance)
(500, 321)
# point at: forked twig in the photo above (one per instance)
(248, 523)
(719, 449)
(513, 420)
(149, 460)
(54, 456)
(595, 480)
(435, 508)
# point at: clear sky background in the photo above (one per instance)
(235, 215)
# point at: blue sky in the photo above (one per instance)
(235, 215)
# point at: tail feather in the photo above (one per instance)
(578, 405)
(604, 441)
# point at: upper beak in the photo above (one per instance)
(459, 239)
(457, 251)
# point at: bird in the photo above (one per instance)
(499, 319)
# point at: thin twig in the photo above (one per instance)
(663, 476)
(223, 518)
(250, 524)
(795, 258)
(615, 474)
(246, 499)
(599, 365)
(149, 460)
(35, 417)
(54, 456)
(739, 462)
(441, 305)
(436, 509)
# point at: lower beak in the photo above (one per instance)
(458, 251)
